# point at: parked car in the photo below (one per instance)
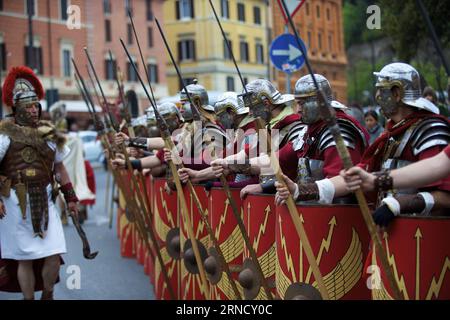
(93, 150)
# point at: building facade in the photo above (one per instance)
(62, 28)
(195, 38)
(320, 26)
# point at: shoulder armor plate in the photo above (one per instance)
(350, 133)
(429, 133)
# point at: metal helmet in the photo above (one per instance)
(168, 109)
(198, 95)
(230, 100)
(226, 102)
(150, 116)
(139, 121)
(407, 78)
(305, 88)
(260, 90)
(263, 87)
(186, 112)
(21, 88)
(171, 114)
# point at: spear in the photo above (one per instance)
(165, 134)
(329, 117)
(138, 217)
(222, 177)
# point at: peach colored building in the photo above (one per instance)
(320, 25)
(101, 24)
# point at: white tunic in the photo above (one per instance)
(17, 239)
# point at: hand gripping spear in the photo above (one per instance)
(165, 134)
(142, 223)
(279, 175)
(329, 117)
(196, 117)
(117, 77)
(224, 182)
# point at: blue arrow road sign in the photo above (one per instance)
(285, 53)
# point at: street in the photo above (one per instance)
(108, 276)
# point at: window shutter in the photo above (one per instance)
(193, 50)
(180, 51)
(192, 9)
(177, 9)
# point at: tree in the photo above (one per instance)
(402, 21)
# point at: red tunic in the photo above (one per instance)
(90, 181)
(447, 151)
(372, 158)
(330, 156)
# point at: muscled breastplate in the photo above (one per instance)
(28, 166)
(33, 165)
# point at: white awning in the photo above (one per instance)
(73, 106)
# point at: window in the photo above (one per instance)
(307, 9)
(243, 48)
(259, 53)
(107, 30)
(66, 54)
(128, 7)
(129, 33)
(148, 10)
(150, 37)
(257, 15)
(106, 6)
(225, 9)
(35, 61)
(241, 12)
(318, 12)
(230, 84)
(330, 42)
(131, 74)
(110, 68)
(186, 50)
(1, 5)
(309, 38)
(2, 57)
(152, 70)
(328, 14)
(63, 9)
(319, 39)
(184, 9)
(33, 7)
(226, 52)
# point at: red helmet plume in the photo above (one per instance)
(15, 74)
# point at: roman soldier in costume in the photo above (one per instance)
(415, 131)
(196, 154)
(233, 116)
(169, 111)
(31, 153)
(315, 150)
(280, 119)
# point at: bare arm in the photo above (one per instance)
(415, 175)
(69, 193)
(155, 143)
(423, 172)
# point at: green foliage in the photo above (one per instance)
(355, 18)
(403, 22)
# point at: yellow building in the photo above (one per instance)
(197, 43)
